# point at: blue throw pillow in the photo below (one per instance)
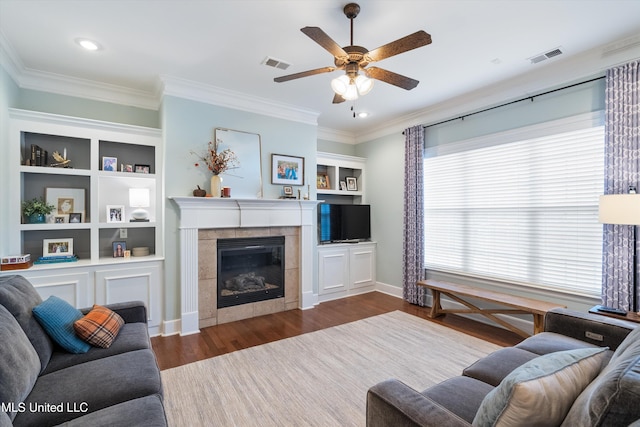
(56, 317)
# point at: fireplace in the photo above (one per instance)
(250, 270)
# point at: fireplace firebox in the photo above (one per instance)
(250, 270)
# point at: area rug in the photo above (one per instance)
(317, 379)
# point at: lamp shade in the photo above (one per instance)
(623, 209)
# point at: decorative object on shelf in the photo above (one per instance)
(288, 170)
(127, 168)
(16, 262)
(226, 191)
(61, 160)
(287, 190)
(34, 210)
(66, 201)
(216, 186)
(59, 219)
(109, 164)
(142, 169)
(352, 183)
(217, 162)
(343, 185)
(139, 198)
(115, 213)
(140, 251)
(57, 247)
(75, 218)
(118, 249)
(199, 192)
(322, 181)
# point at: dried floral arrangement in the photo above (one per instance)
(218, 162)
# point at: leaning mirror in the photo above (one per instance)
(245, 181)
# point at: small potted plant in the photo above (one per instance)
(35, 210)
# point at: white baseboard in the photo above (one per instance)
(389, 289)
(171, 327)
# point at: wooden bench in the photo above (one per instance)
(519, 305)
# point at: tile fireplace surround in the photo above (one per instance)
(209, 218)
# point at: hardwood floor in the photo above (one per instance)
(213, 341)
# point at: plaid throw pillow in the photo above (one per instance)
(99, 327)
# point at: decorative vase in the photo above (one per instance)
(216, 186)
(36, 219)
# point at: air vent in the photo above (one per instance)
(544, 56)
(276, 63)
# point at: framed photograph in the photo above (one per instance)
(115, 213)
(59, 219)
(57, 247)
(75, 218)
(142, 169)
(128, 168)
(287, 170)
(352, 183)
(288, 190)
(119, 249)
(65, 201)
(322, 182)
(343, 186)
(109, 164)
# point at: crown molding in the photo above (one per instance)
(208, 94)
(336, 135)
(553, 74)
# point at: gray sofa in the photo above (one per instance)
(43, 385)
(611, 396)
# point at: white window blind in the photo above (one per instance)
(525, 212)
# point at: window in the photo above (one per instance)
(518, 208)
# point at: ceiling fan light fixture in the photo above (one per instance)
(351, 89)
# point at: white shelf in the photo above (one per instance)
(337, 167)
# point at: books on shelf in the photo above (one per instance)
(39, 156)
(56, 259)
(15, 262)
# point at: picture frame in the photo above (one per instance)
(109, 164)
(142, 168)
(66, 201)
(115, 213)
(343, 185)
(119, 249)
(75, 218)
(59, 219)
(128, 168)
(322, 182)
(57, 247)
(352, 183)
(287, 170)
(287, 190)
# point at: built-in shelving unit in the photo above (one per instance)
(335, 170)
(97, 276)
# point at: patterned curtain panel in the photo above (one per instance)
(622, 151)
(413, 239)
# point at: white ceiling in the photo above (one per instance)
(220, 44)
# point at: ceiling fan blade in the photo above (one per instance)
(320, 37)
(337, 99)
(412, 41)
(391, 78)
(303, 74)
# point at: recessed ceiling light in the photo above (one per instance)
(363, 114)
(88, 44)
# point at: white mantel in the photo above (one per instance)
(208, 212)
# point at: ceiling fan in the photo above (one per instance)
(355, 59)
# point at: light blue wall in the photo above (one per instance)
(385, 160)
(336, 147)
(86, 108)
(188, 125)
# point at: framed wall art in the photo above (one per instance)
(287, 170)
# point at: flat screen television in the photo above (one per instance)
(343, 223)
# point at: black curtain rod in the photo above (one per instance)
(513, 102)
